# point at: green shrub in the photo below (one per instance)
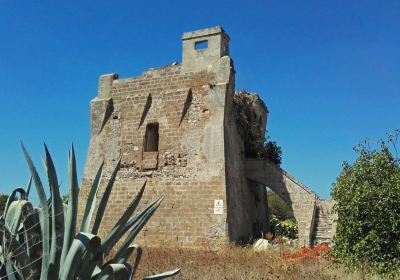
(367, 195)
(255, 143)
(287, 228)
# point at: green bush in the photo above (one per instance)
(287, 228)
(367, 195)
(281, 219)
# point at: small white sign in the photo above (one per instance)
(218, 206)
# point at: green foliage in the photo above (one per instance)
(281, 219)
(3, 201)
(250, 128)
(41, 243)
(265, 149)
(278, 208)
(367, 195)
(273, 152)
(287, 228)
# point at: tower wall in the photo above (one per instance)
(247, 213)
(187, 102)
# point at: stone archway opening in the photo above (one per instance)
(282, 222)
(296, 195)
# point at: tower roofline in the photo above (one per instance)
(205, 32)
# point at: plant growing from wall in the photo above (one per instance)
(250, 128)
(42, 243)
(367, 196)
(273, 152)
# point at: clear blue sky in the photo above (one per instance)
(329, 71)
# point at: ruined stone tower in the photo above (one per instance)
(176, 126)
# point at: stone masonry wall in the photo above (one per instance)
(188, 168)
(247, 213)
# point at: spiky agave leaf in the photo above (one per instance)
(21, 220)
(83, 242)
(28, 188)
(72, 207)
(120, 227)
(141, 221)
(112, 238)
(91, 200)
(14, 249)
(14, 216)
(126, 254)
(136, 222)
(163, 275)
(116, 272)
(57, 216)
(11, 271)
(12, 197)
(104, 199)
(31, 233)
(43, 214)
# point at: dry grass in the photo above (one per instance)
(233, 262)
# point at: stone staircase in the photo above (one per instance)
(323, 222)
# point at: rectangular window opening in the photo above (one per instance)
(201, 45)
(151, 138)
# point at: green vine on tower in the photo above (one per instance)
(257, 145)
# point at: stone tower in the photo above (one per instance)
(176, 126)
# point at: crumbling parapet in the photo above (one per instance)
(105, 85)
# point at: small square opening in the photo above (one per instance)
(201, 45)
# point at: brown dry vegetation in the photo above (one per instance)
(233, 262)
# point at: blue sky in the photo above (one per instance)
(327, 70)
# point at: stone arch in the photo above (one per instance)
(299, 198)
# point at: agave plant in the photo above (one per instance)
(42, 243)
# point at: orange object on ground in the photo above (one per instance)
(308, 253)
